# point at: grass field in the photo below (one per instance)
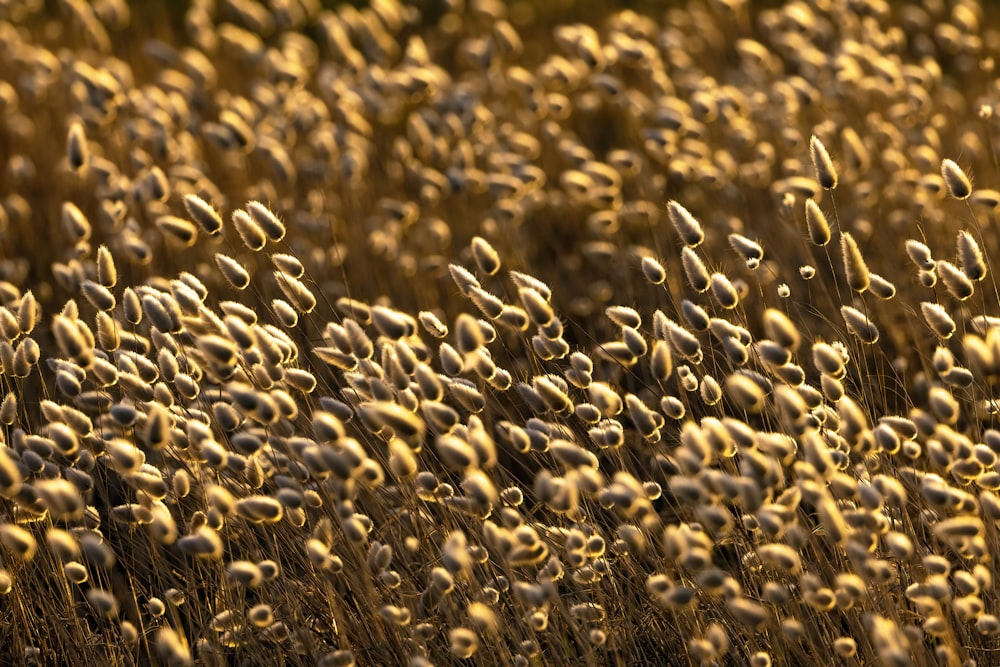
(499, 333)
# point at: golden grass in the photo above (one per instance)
(485, 333)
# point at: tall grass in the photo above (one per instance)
(473, 333)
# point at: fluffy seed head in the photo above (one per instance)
(748, 249)
(18, 541)
(8, 413)
(845, 647)
(523, 280)
(661, 361)
(103, 602)
(938, 319)
(74, 222)
(653, 271)
(244, 573)
(171, 648)
(881, 287)
(98, 295)
(959, 185)
(780, 328)
(463, 278)
(695, 315)
(624, 316)
(537, 307)
(432, 324)
(854, 264)
(464, 642)
(817, 224)
(688, 228)
(77, 153)
(260, 509)
(71, 342)
(958, 284)
(75, 572)
(487, 259)
(232, 271)
(296, 292)
(251, 234)
(920, 254)
(488, 304)
(203, 214)
(970, 257)
(179, 229)
(203, 543)
(826, 173)
(695, 270)
(724, 291)
(107, 274)
(859, 325)
(266, 221)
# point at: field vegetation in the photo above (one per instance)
(470, 332)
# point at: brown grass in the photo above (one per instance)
(466, 333)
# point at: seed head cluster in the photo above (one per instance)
(471, 333)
